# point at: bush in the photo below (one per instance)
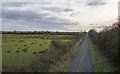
(107, 40)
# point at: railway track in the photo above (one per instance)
(82, 61)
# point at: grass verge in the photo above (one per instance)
(58, 58)
(66, 59)
(100, 62)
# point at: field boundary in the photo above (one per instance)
(67, 58)
(100, 62)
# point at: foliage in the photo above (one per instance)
(100, 62)
(107, 40)
(41, 32)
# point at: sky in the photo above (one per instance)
(58, 15)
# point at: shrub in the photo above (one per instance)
(107, 40)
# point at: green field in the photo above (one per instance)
(19, 49)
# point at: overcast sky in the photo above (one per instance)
(64, 15)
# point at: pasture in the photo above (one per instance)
(19, 49)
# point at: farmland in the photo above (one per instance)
(20, 49)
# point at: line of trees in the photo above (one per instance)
(108, 41)
(40, 32)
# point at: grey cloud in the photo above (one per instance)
(119, 8)
(20, 15)
(73, 14)
(14, 4)
(57, 9)
(93, 24)
(76, 23)
(96, 3)
(68, 10)
(100, 26)
(40, 5)
(53, 9)
(19, 4)
(31, 19)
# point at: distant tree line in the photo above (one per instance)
(108, 41)
(41, 32)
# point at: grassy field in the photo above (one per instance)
(100, 62)
(19, 49)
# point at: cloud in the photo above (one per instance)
(119, 9)
(14, 4)
(21, 15)
(96, 3)
(53, 9)
(93, 24)
(68, 10)
(73, 14)
(59, 15)
(20, 4)
(96, 26)
(21, 20)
